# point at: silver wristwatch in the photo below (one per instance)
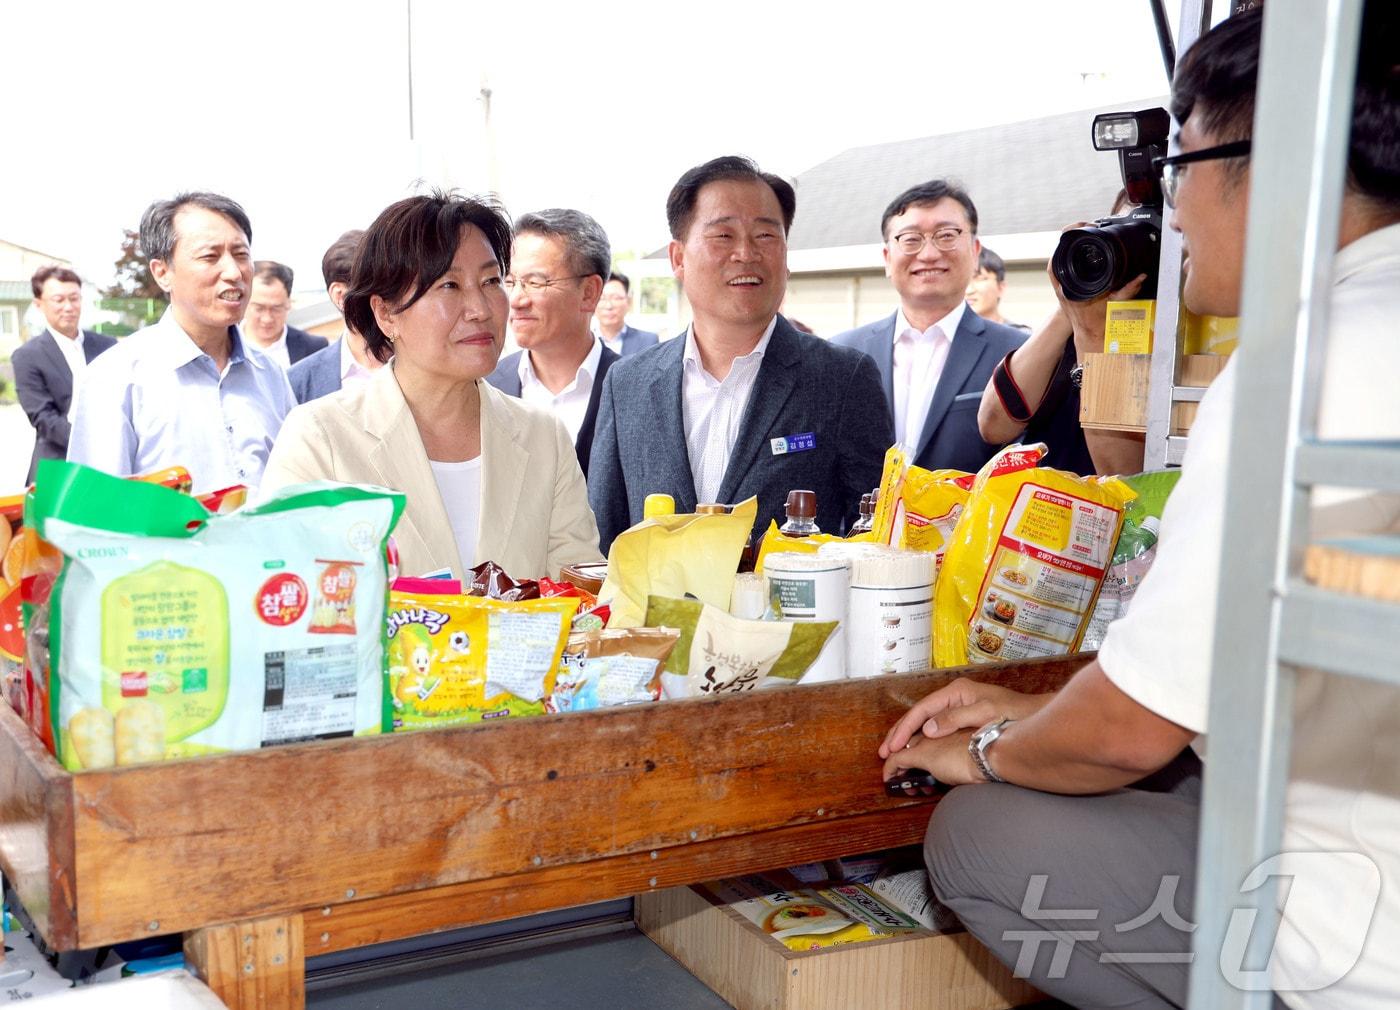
(981, 741)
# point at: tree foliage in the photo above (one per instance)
(133, 274)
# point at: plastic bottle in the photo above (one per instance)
(801, 515)
(658, 505)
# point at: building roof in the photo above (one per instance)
(1037, 175)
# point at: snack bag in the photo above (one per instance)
(175, 633)
(719, 653)
(812, 918)
(460, 659)
(1027, 558)
(677, 555)
(1134, 552)
(888, 502)
(933, 502)
(619, 666)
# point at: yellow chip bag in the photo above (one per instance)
(458, 659)
(1025, 562)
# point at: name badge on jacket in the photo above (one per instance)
(794, 443)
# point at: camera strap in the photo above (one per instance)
(1012, 400)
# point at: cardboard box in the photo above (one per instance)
(751, 970)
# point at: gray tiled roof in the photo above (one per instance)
(1035, 175)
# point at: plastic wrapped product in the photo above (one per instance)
(175, 633)
(812, 918)
(1026, 561)
(889, 618)
(718, 653)
(619, 666)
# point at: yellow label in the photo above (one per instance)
(1047, 523)
(1129, 327)
(165, 657)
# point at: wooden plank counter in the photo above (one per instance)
(264, 857)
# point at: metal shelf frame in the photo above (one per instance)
(1267, 620)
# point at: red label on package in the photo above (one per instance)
(281, 600)
(133, 683)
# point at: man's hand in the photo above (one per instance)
(963, 704)
(947, 759)
(1089, 319)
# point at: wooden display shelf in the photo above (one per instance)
(1114, 394)
(1365, 566)
(921, 970)
(264, 857)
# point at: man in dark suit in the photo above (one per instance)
(611, 319)
(559, 259)
(266, 322)
(934, 353)
(46, 365)
(743, 404)
(346, 361)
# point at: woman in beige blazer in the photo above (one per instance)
(476, 465)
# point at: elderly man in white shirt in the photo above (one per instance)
(559, 262)
(1050, 843)
(187, 391)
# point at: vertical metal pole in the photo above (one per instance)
(1301, 127)
(1164, 37)
(1195, 19)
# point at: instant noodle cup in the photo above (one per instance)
(1026, 561)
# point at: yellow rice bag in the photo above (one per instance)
(456, 659)
(1026, 560)
(933, 502)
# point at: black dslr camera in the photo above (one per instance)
(1096, 259)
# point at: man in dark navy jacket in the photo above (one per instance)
(934, 353)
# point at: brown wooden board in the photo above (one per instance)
(254, 965)
(185, 845)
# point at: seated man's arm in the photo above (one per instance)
(866, 432)
(1088, 738)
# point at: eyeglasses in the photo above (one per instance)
(911, 243)
(1170, 172)
(268, 310)
(535, 284)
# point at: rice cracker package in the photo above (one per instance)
(175, 633)
(459, 659)
(1026, 561)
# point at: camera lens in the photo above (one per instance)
(1092, 261)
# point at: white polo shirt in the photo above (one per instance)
(1343, 794)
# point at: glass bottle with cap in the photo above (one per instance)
(801, 515)
(866, 522)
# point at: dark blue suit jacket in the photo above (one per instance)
(301, 344)
(316, 375)
(44, 385)
(634, 340)
(950, 437)
(506, 378)
(805, 386)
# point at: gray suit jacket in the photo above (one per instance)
(634, 340)
(506, 378)
(44, 385)
(805, 386)
(301, 344)
(317, 374)
(950, 437)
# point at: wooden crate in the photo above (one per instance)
(752, 971)
(265, 857)
(1115, 390)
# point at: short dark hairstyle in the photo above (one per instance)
(621, 278)
(1216, 79)
(680, 205)
(53, 270)
(923, 195)
(990, 261)
(410, 245)
(584, 239)
(270, 270)
(157, 235)
(340, 257)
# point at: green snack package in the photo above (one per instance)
(174, 632)
(718, 653)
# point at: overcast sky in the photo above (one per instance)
(299, 109)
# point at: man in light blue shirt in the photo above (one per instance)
(188, 391)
